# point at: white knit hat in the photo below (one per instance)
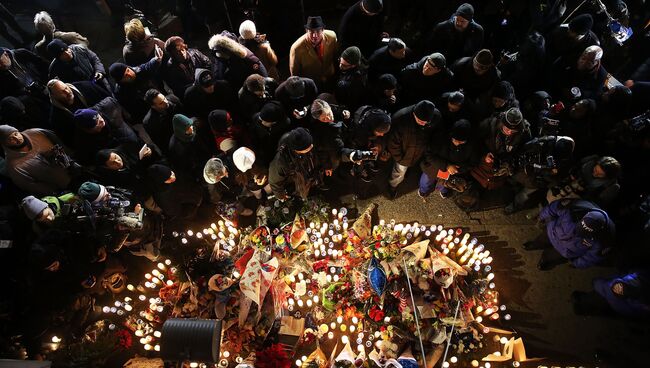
(247, 30)
(243, 158)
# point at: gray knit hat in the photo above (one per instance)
(33, 207)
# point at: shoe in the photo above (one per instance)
(445, 193)
(423, 197)
(529, 245)
(392, 192)
(543, 265)
(510, 209)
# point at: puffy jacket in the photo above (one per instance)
(630, 306)
(562, 221)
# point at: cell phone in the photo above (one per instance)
(302, 113)
(385, 40)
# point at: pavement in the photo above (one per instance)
(539, 302)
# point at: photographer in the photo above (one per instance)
(368, 133)
(594, 179)
(54, 212)
(327, 125)
(117, 222)
(34, 160)
(542, 162)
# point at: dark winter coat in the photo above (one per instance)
(562, 222)
(199, 103)
(495, 142)
(329, 148)
(131, 95)
(179, 76)
(382, 62)
(417, 87)
(351, 88)
(26, 68)
(159, 124)
(265, 139)
(83, 66)
(565, 75)
(115, 132)
(287, 165)
(442, 153)
(361, 30)
(290, 104)
(86, 95)
(447, 40)
(408, 141)
(474, 85)
(136, 53)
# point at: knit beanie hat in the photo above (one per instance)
(85, 118)
(461, 130)
(244, 158)
(352, 55)
(214, 170)
(466, 11)
(437, 59)
(180, 123)
(247, 30)
(272, 112)
(117, 70)
(218, 120)
(513, 118)
(483, 59)
(378, 121)
(11, 109)
(91, 192)
(159, 174)
(425, 110)
(563, 147)
(387, 81)
(301, 139)
(33, 207)
(373, 6)
(455, 97)
(5, 132)
(581, 24)
(503, 90)
(56, 47)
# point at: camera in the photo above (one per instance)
(639, 123)
(363, 156)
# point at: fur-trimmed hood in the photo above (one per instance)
(221, 43)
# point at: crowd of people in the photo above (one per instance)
(100, 157)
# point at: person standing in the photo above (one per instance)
(313, 55)
(409, 137)
(362, 26)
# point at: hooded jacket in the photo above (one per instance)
(179, 76)
(635, 306)
(416, 86)
(131, 95)
(239, 64)
(199, 103)
(187, 155)
(562, 221)
(455, 44)
(83, 66)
